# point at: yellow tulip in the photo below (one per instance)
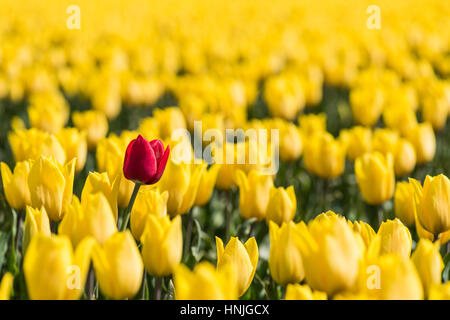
(428, 262)
(404, 202)
(92, 217)
(48, 112)
(329, 242)
(170, 119)
(311, 124)
(36, 221)
(440, 291)
(365, 231)
(15, 184)
(162, 245)
(149, 201)
(282, 205)
(385, 140)
(285, 260)
(432, 204)
(397, 278)
(357, 141)
(242, 258)
(6, 285)
(392, 237)
(182, 181)
(118, 266)
(204, 283)
(53, 270)
(206, 186)
(99, 182)
(51, 186)
(435, 110)
(291, 144)
(75, 146)
(32, 144)
(405, 158)
(303, 292)
(324, 156)
(424, 141)
(367, 105)
(253, 191)
(375, 177)
(94, 123)
(401, 119)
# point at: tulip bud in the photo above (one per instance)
(15, 185)
(145, 161)
(285, 260)
(6, 285)
(432, 203)
(303, 292)
(357, 141)
(367, 104)
(206, 186)
(365, 231)
(94, 123)
(392, 237)
(424, 141)
(162, 245)
(93, 217)
(53, 271)
(291, 144)
(329, 236)
(282, 205)
(428, 262)
(404, 202)
(118, 266)
(99, 182)
(148, 202)
(51, 186)
(170, 119)
(253, 190)
(398, 279)
(311, 124)
(75, 146)
(36, 221)
(205, 283)
(405, 158)
(243, 258)
(375, 177)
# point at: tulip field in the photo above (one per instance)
(224, 150)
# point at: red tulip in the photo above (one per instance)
(145, 161)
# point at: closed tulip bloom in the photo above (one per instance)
(253, 191)
(118, 266)
(432, 203)
(291, 144)
(385, 140)
(404, 202)
(149, 201)
(145, 161)
(435, 111)
(401, 119)
(311, 124)
(6, 285)
(428, 262)
(206, 186)
(303, 292)
(94, 123)
(440, 291)
(162, 245)
(243, 258)
(424, 141)
(375, 177)
(282, 205)
(170, 119)
(92, 217)
(367, 104)
(357, 141)
(324, 156)
(365, 231)
(53, 270)
(398, 279)
(204, 283)
(329, 242)
(182, 181)
(405, 158)
(99, 182)
(36, 221)
(51, 185)
(285, 260)
(74, 144)
(392, 237)
(15, 184)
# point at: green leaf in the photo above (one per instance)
(4, 239)
(446, 271)
(196, 250)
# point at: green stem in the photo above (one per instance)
(228, 215)
(130, 206)
(18, 228)
(144, 285)
(187, 242)
(158, 288)
(380, 215)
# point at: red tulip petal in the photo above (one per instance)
(140, 161)
(161, 166)
(158, 148)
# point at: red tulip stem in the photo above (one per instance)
(126, 218)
